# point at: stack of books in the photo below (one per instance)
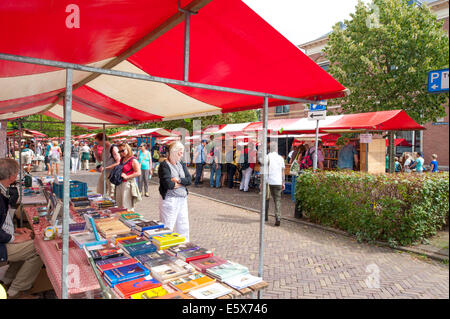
(192, 281)
(152, 224)
(115, 262)
(124, 236)
(212, 291)
(128, 288)
(140, 249)
(155, 259)
(109, 227)
(164, 273)
(107, 251)
(189, 252)
(150, 233)
(227, 270)
(166, 241)
(203, 264)
(118, 275)
(132, 222)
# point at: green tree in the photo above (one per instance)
(383, 56)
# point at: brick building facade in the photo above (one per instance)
(434, 140)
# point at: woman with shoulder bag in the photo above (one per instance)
(173, 179)
(127, 193)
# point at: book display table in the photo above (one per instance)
(82, 281)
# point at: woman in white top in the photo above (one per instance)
(407, 163)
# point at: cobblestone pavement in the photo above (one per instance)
(301, 261)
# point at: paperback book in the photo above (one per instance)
(191, 281)
(128, 288)
(242, 281)
(157, 231)
(107, 252)
(115, 262)
(212, 291)
(126, 273)
(152, 224)
(86, 238)
(140, 249)
(166, 272)
(155, 259)
(227, 270)
(205, 263)
(191, 255)
(150, 293)
(124, 236)
(173, 251)
(132, 242)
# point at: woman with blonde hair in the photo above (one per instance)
(173, 179)
(127, 193)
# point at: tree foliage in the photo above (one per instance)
(384, 55)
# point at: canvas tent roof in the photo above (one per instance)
(228, 47)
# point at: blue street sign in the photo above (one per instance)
(438, 81)
(321, 106)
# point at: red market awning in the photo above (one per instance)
(276, 125)
(399, 142)
(396, 120)
(27, 132)
(228, 47)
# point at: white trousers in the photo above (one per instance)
(173, 213)
(246, 174)
(74, 164)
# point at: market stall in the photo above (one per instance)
(119, 89)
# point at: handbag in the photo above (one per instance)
(295, 167)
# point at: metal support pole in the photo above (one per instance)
(187, 32)
(317, 144)
(104, 161)
(391, 152)
(66, 189)
(20, 173)
(263, 171)
(413, 141)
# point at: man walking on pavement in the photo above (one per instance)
(274, 168)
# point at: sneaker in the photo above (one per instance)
(23, 295)
(277, 222)
(147, 195)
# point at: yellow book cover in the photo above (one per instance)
(167, 239)
(150, 293)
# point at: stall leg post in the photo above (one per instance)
(104, 160)
(391, 152)
(264, 169)
(20, 173)
(66, 181)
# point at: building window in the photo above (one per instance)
(283, 109)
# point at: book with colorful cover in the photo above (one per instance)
(140, 249)
(205, 263)
(130, 216)
(155, 232)
(132, 242)
(173, 251)
(166, 272)
(150, 293)
(124, 236)
(191, 255)
(126, 273)
(168, 239)
(106, 252)
(227, 270)
(212, 291)
(87, 239)
(152, 224)
(155, 259)
(132, 222)
(128, 288)
(242, 281)
(191, 281)
(115, 262)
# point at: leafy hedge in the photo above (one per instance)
(397, 208)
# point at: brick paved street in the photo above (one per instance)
(301, 261)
